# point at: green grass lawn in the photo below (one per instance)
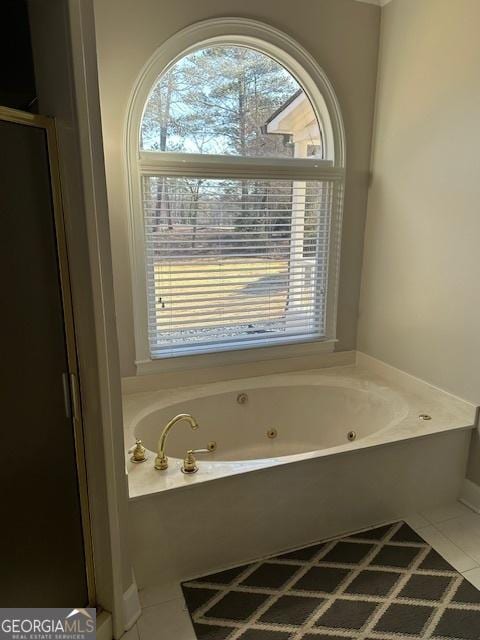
(208, 293)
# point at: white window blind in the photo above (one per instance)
(233, 263)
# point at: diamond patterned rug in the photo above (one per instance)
(383, 584)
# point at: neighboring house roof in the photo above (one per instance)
(295, 117)
(281, 108)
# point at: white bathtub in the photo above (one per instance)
(255, 495)
(307, 412)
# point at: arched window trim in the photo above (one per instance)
(315, 83)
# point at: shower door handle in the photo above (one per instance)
(75, 394)
(71, 396)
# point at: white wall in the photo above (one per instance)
(343, 37)
(66, 81)
(420, 300)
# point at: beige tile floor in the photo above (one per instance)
(453, 530)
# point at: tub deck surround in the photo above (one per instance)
(312, 411)
(177, 535)
(317, 485)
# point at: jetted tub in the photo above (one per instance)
(271, 417)
(298, 457)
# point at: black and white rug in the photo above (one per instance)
(383, 584)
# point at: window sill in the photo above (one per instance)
(235, 357)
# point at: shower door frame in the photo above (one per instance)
(48, 125)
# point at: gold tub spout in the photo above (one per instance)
(161, 461)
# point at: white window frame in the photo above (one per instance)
(315, 83)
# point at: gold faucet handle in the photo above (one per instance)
(139, 452)
(190, 463)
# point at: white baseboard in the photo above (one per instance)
(131, 612)
(131, 606)
(470, 495)
(104, 626)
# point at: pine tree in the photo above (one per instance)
(217, 100)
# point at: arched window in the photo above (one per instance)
(236, 168)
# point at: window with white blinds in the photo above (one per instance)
(233, 263)
(236, 182)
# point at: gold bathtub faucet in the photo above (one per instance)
(161, 461)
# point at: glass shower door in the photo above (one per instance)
(44, 536)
